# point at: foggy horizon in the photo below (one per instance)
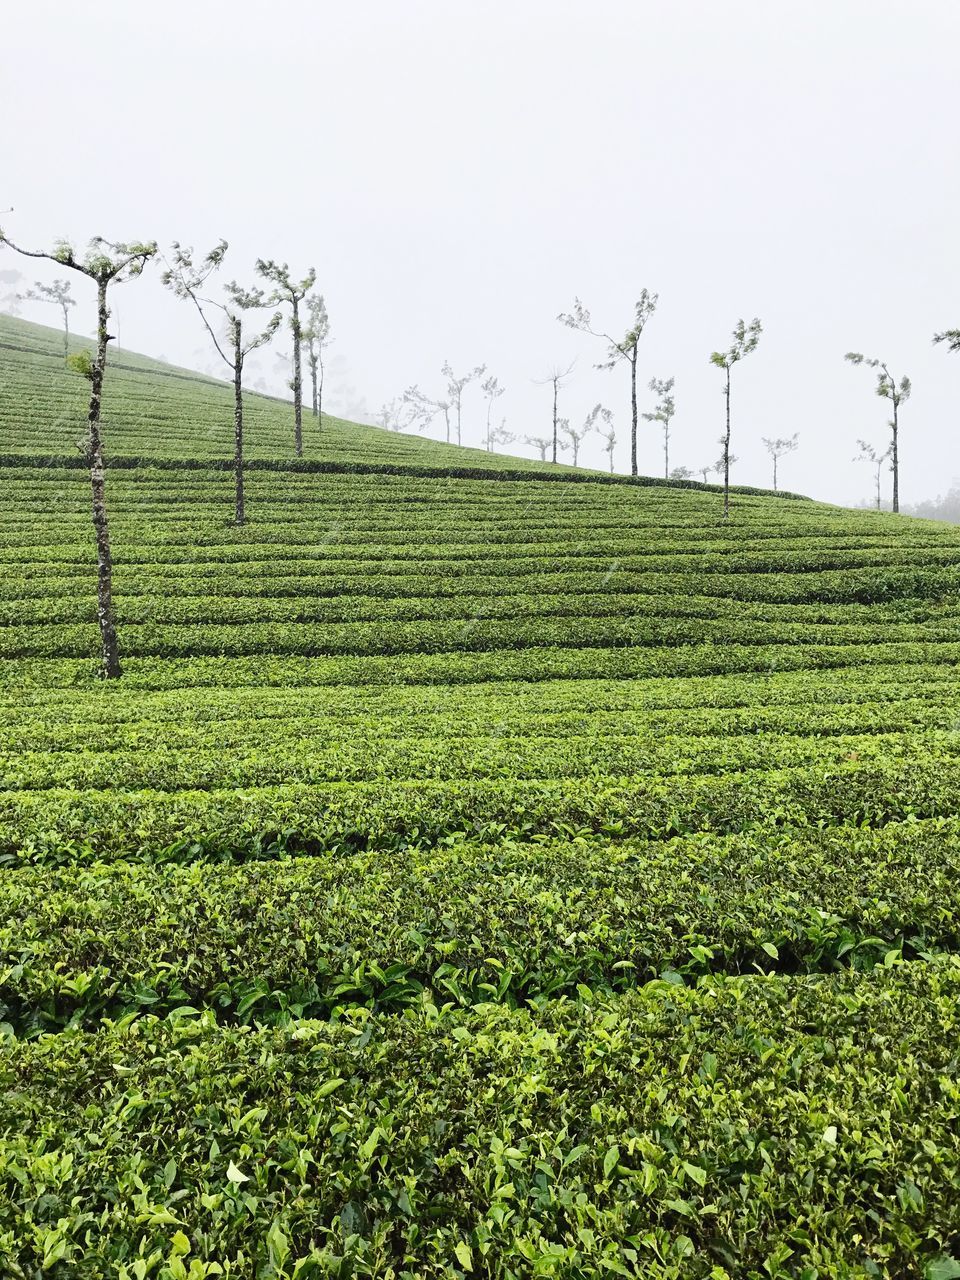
(458, 175)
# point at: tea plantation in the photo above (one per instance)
(481, 868)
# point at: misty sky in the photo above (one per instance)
(458, 171)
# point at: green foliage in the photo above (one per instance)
(81, 362)
(471, 875)
(735, 1129)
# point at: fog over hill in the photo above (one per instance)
(458, 174)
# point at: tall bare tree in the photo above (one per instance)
(455, 389)
(624, 349)
(745, 340)
(188, 281)
(557, 380)
(492, 390)
(888, 388)
(663, 413)
(58, 294)
(779, 448)
(316, 336)
(291, 292)
(876, 459)
(105, 262)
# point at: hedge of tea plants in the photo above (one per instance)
(480, 869)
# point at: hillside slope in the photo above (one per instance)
(467, 876)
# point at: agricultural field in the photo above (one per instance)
(480, 869)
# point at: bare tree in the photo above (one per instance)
(609, 437)
(623, 350)
(683, 473)
(779, 448)
(540, 443)
(888, 388)
(876, 459)
(426, 409)
(455, 388)
(576, 436)
(316, 336)
(556, 380)
(745, 340)
(58, 294)
(663, 414)
(292, 292)
(188, 280)
(492, 390)
(706, 472)
(400, 414)
(105, 262)
(951, 337)
(500, 435)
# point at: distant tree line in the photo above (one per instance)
(225, 318)
(106, 263)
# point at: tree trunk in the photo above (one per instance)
(896, 460)
(66, 335)
(633, 405)
(459, 441)
(726, 455)
(297, 380)
(666, 453)
(320, 386)
(774, 473)
(879, 467)
(554, 420)
(240, 515)
(446, 417)
(110, 656)
(313, 380)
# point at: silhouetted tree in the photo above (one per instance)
(876, 459)
(492, 390)
(292, 292)
(187, 281)
(706, 472)
(951, 337)
(316, 336)
(426, 409)
(663, 414)
(745, 339)
(500, 435)
(58, 294)
(888, 388)
(625, 349)
(541, 444)
(556, 380)
(455, 388)
(681, 473)
(779, 448)
(609, 437)
(105, 262)
(576, 435)
(400, 414)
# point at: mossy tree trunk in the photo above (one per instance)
(110, 653)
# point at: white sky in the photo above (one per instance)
(457, 171)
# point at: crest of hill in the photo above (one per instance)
(170, 416)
